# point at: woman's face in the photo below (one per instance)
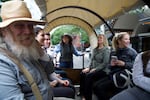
(65, 39)
(100, 39)
(40, 37)
(47, 41)
(125, 41)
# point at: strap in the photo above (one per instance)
(127, 75)
(27, 74)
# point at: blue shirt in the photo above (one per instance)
(14, 85)
(66, 52)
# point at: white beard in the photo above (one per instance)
(22, 52)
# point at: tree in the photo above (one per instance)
(69, 29)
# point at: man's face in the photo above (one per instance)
(20, 38)
(22, 32)
(47, 41)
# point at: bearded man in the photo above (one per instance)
(17, 39)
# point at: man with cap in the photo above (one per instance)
(18, 44)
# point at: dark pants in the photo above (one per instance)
(68, 64)
(61, 72)
(86, 82)
(62, 91)
(105, 88)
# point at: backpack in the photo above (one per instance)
(145, 59)
(123, 79)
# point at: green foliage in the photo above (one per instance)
(139, 10)
(68, 29)
(4, 0)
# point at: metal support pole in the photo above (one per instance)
(83, 61)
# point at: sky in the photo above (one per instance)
(35, 11)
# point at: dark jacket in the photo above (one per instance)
(125, 54)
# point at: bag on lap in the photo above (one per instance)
(123, 78)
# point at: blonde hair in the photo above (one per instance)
(116, 38)
(105, 40)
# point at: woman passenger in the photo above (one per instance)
(61, 87)
(141, 79)
(125, 57)
(66, 50)
(97, 68)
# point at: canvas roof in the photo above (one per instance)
(84, 13)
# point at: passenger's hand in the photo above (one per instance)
(86, 70)
(92, 70)
(120, 63)
(117, 63)
(65, 82)
(113, 62)
(53, 83)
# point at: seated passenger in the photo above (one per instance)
(141, 79)
(61, 87)
(97, 69)
(46, 46)
(125, 57)
(19, 55)
(39, 35)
